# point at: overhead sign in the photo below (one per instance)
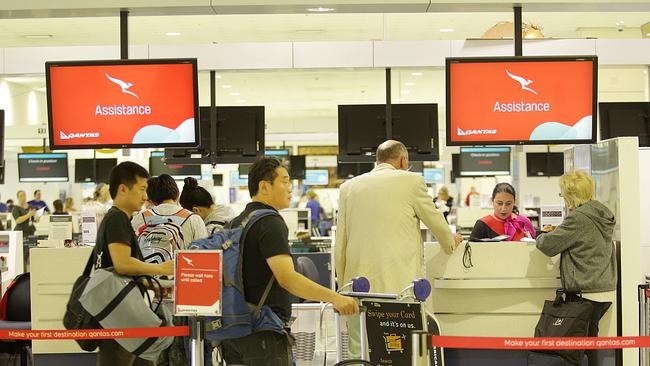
(197, 282)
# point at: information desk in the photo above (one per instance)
(501, 294)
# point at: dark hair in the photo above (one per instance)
(504, 188)
(161, 188)
(126, 173)
(36, 191)
(263, 170)
(194, 195)
(58, 205)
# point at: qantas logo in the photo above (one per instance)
(189, 261)
(523, 81)
(460, 132)
(123, 84)
(81, 135)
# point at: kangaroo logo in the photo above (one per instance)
(123, 84)
(189, 261)
(523, 81)
(460, 132)
(558, 322)
(63, 136)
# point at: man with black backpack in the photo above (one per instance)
(267, 256)
(117, 246)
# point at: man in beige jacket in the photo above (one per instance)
(378, 230)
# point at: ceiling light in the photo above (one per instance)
(406, 92)
(234, 94)
(38, 36)
(409, 84)
(320, 9)
(217, 76)
(241, 100)
(226, 86)
(172, 34)
(446, 30)
(416, 74)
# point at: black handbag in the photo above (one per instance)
(569, 315)
(76, 317)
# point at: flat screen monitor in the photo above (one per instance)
(351, 170)
(316, 177)
(217, 180)
(43, 167)
(83, 170)
(433, 175)
(455, 167)
(278, 153)
(544, 164)
(122, 103)
(521, 100)
(244, 169)
(297, 166)
(177, 171)
(239, 137)
(625, 119)
(363, 127)
(484, 161)
(236, 180)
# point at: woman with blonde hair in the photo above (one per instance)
(443, 201)
(584, 241)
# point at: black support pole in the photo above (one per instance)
(213, 117)
(389, 111)
(124, 34)
(518, 31)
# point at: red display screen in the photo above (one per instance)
(522, 100)
(125, 103)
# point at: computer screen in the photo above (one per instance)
(236, 180)
(625, 119)
(351, 170)
(544, 164)
(279, 153)
(433, 175)
(177, 171)
(297, 166)
(122, 103)
(316, 177)
(83, 170)
(363, 127)
(43, 167)
(521, 100)
(484, 161)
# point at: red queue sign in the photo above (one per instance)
(197, 280)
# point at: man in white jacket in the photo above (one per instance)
(378, 227)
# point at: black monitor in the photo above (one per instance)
(297, 166)
(177, 171)
(544, 164)
(43, 167)
(455, 167)
(244, 169)
(351, 170)
(625, 119)
(363, 127)
(217, 180)
(83, 170)
(484, 161)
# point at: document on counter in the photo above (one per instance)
(496, 238)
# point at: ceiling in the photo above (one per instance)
(195, 29)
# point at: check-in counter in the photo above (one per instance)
(498, 291)
(53, 273)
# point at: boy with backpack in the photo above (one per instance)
(269, 278)
(167, 226)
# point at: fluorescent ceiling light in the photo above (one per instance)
(234, 94)
(409, 84)
(38, 36)
(446, 30)
(241, 100)
(416, 74)
(406, 92)
(217, 76)
(226, 86)
(172, 34)
(320, 9)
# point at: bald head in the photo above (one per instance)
(394, 153)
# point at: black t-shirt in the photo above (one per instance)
(265, 239)
(115, 228)
(482, 231)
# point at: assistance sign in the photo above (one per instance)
(197, 282)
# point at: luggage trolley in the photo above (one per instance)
(415, 294)
(644, 318)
